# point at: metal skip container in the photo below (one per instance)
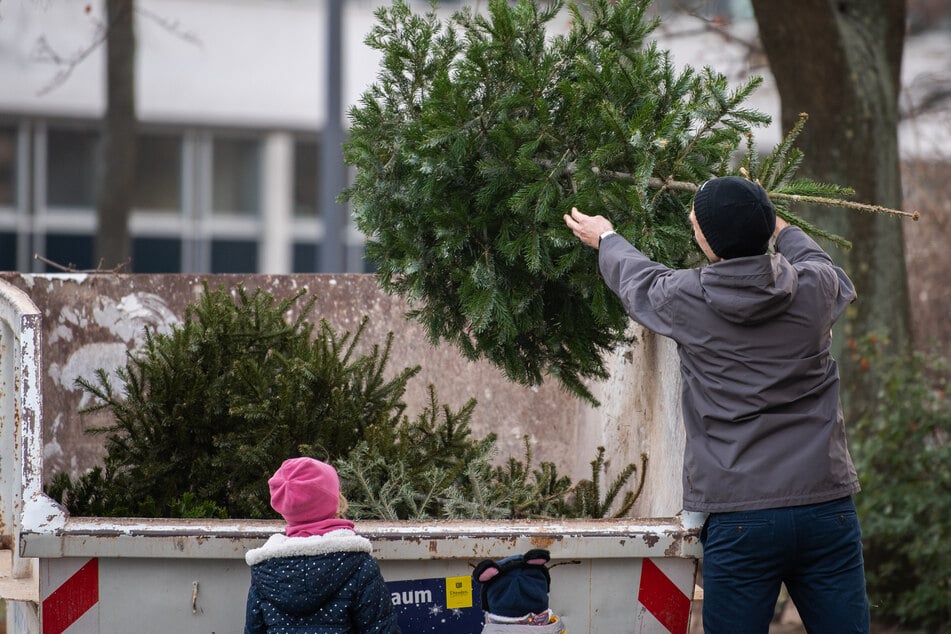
(75, 575)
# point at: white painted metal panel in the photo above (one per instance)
(108, 575)
(208, 595)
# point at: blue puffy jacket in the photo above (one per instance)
(323, 584)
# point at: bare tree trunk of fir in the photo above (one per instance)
(839, 61)
(117, 164)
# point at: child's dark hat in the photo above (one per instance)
(735, 215)
(516, 585)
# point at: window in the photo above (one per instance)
(356, 256)
(8, 166)
(156, 255)
(305, 257)
(158, 173)
(70, 250)
(305, 178)
(71, 159)
(234, 256)
(8, 251)
(237, 176)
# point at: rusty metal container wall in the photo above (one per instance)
(190, 576)
(21, 384)
(640, 413)
(91, 321)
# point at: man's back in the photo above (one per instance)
(760, 387)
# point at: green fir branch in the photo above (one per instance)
(482, 130)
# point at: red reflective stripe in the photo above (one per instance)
(663, 598)
(72, 599)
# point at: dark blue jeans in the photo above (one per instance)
(816, 550)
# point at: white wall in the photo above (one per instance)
(231, 62)
(260, 63)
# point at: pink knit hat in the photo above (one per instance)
(304, 491)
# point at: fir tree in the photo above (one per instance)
(206, 413)
(403, 471)
(431, 468)
(482, 131)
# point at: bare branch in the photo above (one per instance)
(172, 26)
(933, 95)
(719, 25)
(71, 268)
(44, 52)
(848, 204)
(668, 183)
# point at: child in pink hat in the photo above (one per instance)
(318, 575)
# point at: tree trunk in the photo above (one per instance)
(117, 178)
(840, 62)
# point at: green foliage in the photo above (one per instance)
(400, 472)
(776, 174)
(86, 496)
(206, 413)
(902, 450)
(587, 500)
(431, 468)
(522, 491)
(480, 133)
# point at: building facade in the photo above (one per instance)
(231, 100)
(231, 108)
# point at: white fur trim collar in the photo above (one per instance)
(280, 545)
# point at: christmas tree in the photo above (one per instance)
(203, 415)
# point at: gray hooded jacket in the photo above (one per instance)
(760, 396)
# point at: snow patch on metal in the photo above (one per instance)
(61, 333)
(79, 278)
(693, 520)
(128, 317)
(53, 448)
(69, 317)
(42, 514)
(109, 356)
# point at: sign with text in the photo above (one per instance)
(442, 605)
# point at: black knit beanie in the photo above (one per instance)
(735, 215)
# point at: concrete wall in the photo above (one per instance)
(91, 321)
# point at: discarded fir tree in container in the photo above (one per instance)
(204, 414)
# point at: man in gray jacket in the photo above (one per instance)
(766, 452)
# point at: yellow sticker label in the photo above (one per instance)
(458, 592)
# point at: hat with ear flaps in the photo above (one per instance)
(516, 585)
(735, 216)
